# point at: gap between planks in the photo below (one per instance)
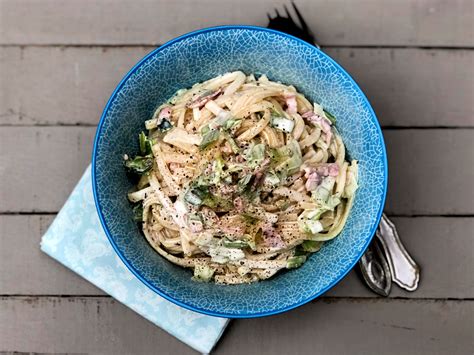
(436, 282)
(153, 45)
(328, 299)
(407, 22)
(410, 76)
(405, 197)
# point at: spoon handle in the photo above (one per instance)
(375, 269)
(405, 271)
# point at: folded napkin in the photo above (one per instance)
(76, 239)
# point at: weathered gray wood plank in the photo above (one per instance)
(442, 246)
(79, 83)
(80, 325)
(413, 87)
(407, 87)
(26, 270)
(101, 325)
(400, 23)
(431, 170)
(52, 161)
(443, 249)
(357, 327)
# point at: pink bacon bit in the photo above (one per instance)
(312, 182)
(195, 226)
(313, 179)
(308, 171)
(165, 113)
(333, 169)
(320, 121)
(263, 166)
(308, 114)
(271, 237)
(291, 106)
(201, 100)
(314, 176)
(327, 131)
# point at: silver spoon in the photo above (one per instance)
(391, 262)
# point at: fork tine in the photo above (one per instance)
(269, 17)
(288, 13)
(300, 17)
(276, 11)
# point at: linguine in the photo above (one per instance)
(241, 178)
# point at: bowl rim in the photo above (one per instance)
(135, 271)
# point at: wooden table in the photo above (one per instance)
(59, 62)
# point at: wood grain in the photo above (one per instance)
(52, 161)
(26, 270)
(80, 325)
(361, 22)
(407, 87)
(61, 59)
(414, 87)
(58, 85)
(101, 325)
(442, 247)
(357, 327)
(431, 170)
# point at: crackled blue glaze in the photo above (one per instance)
(199, 56)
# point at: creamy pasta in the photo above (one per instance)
(240, 178)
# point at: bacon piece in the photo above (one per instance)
(203, 99)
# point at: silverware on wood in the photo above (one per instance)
(386, 260)
(375, 269)
(405, 272)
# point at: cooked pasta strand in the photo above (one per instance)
(240, 175)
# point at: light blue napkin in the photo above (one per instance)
(76, 239)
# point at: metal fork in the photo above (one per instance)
(386, 260)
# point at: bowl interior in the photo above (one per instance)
(200, 56)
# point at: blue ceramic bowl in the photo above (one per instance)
(199, 56)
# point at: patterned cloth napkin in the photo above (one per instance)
(76, 239)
